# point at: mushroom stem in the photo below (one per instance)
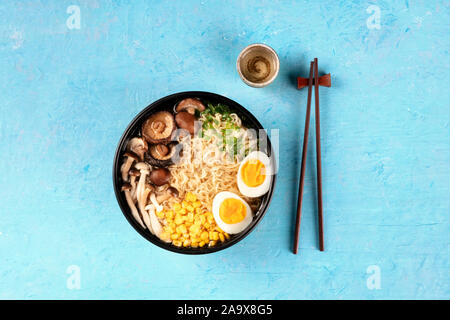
(167, 194)
(155, 203)
(147, 222)
(160, 198)
(156, 225)
(133, 187)
(125, 167)
(133, 209)
(140, 186)
(133, 173)
(130, 158)
(144, 169)
(141, 203)
(138, 146)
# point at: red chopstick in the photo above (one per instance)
(318, 156)
(303, 165)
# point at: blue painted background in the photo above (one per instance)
(67, 95)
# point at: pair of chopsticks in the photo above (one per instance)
(316, 81)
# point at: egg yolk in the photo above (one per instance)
(253, 173)
(232, 211)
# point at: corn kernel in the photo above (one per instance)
(194, 244)
(227, 236)
(177, 243)
(164, 236)
(221, 237)
(198, 210)
(160, 214)
(197, 204)
(196, 239)
(190, 208)
(184, 204)
(178, 221)
(201, 244)
(215, 235)
(204, 236)
(186, 243)
(195, 236)
(183, 228)
(169, 214)
(191, 197)
(212, 243)
(174, 236)
(190, 217)
(195, 228)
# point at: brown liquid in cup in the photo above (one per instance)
(258, 69)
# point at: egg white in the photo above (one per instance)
(258, 191)
(230, 228)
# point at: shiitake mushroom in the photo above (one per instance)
(158, 128)
(186, 121)
(162, 155)
(160, 176)
(190, 105)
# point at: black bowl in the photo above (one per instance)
(133, 129)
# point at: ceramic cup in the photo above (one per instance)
(258, 65)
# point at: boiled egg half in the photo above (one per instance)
(231, 212)
(255, 174)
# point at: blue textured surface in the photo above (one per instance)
(67, 95)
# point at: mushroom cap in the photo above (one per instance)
(190, 105)
(142, 166)
(160, 151)
(161, 155)
(173, 191)
(130, 154)
(170, 192)
(186, 121)
(134, 172)
(160, 176)
(126, 186)
(139, 146)
(158, 127)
